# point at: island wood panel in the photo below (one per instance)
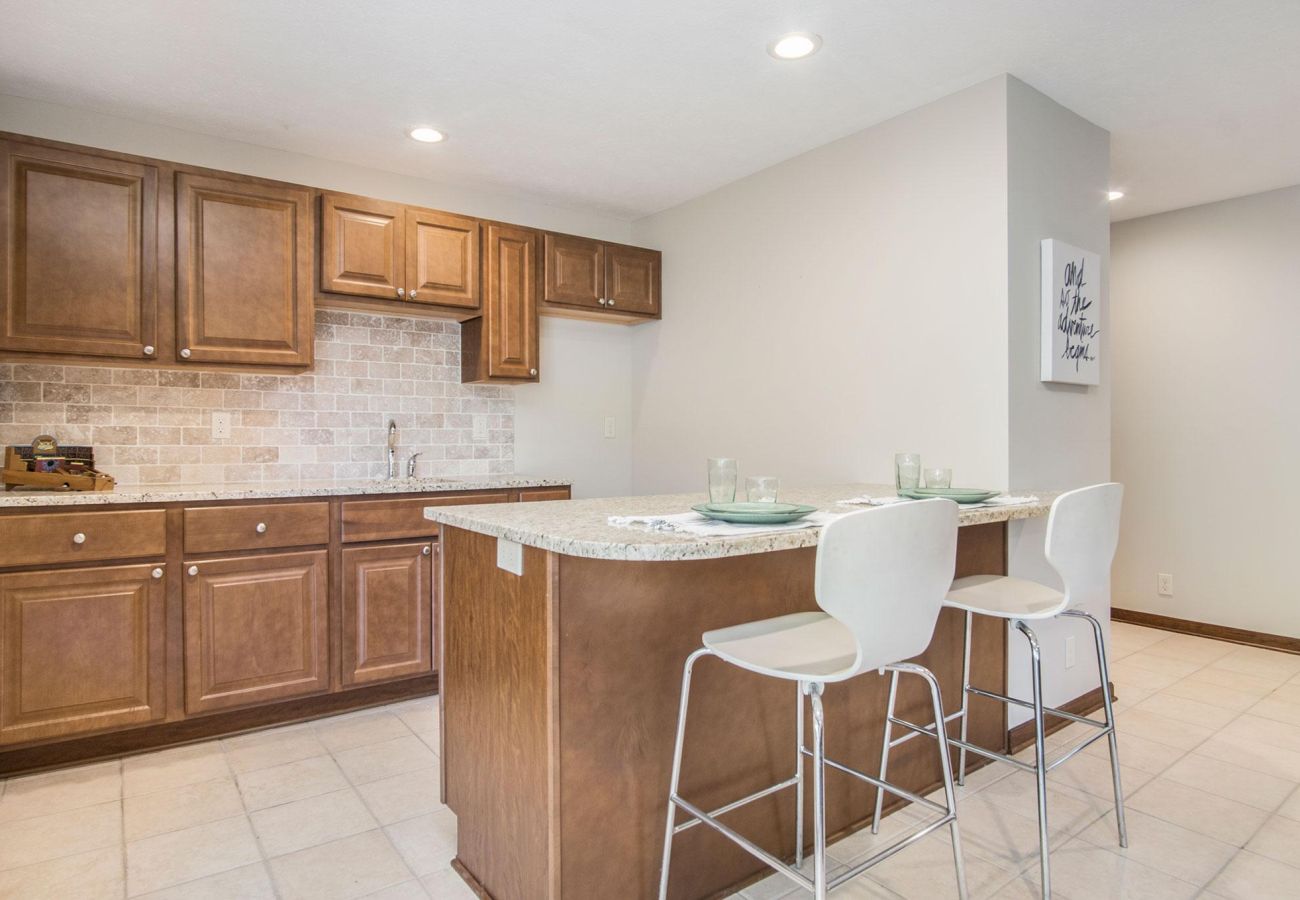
(81, 650)
(79, 255)
(387, 607)
(498, 718)
(624, 632)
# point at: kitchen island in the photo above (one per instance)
(563, 644)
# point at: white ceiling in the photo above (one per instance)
(631, 107)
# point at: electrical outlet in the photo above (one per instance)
(1069, 652)
(221, 426)
(609, 427)
(480, 429)
(1165, 584)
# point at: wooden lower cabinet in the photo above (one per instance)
(387, 611)
(256, 629)
(81, 650)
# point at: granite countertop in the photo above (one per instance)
(581, 527)
(265, 490)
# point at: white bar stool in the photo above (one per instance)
(1082, 533)
(881, 577)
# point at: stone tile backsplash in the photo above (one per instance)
(151, 426)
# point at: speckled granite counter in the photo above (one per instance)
(264, 490)
(581, 527)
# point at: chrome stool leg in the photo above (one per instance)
(1103, 670)
(884, 749)
(949, 791)
(965, 700)
(814, 691)
(1040, 769)
(677, 769)
(798, 774)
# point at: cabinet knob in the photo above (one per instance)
(79, 538)
(411, 296)
(193, 570)
(185, 353)
(401, 292)
(532, 372)
(427, 550)
(602, 301)
(610, 301)
(157, 573)
(261, 528)
(148, 349)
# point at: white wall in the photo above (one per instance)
(1058, 165)
(558, 431)
(1206, 433)
(831, 310)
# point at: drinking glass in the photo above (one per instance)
(761, 488)
(722, 480)
(907, 471)
(938, 478)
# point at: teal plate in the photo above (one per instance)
(961, 495)
(754, 513)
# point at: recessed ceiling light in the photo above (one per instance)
(1114, 195)
(426, 135)
(795, 45)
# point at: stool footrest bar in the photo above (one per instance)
(744, 843)
(1047, 710)
(884, 785)
(910, 838)
(757, 795)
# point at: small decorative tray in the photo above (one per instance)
(754, 513)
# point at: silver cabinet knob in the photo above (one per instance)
(193, 570)
(532, 372)
(427, 550)
(185, 353)
(156, 573)
(261, 528)
(602, 301)
(148, 349)
(610, 301)
(411, 296)
(401, 292)
(78, 538)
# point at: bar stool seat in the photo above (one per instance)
(1005, 597)
(797, 647)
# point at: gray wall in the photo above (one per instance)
(1206, 431)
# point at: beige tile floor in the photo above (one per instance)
(347, 807)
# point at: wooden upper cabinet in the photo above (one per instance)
(387, 611)
(256, 629)
(362, 247)
(442, 259)
(632, 279)
(574, 271)
(79, 259)
(81, 650)
(243, 271)
(501, 345)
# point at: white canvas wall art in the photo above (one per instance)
(1071, 317)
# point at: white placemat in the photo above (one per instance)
(695, 524)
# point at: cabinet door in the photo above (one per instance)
(362, 244)
(79, 259)
(442, 259)
(574, 270)
(632, 279)
(502, 344)
(255, 630)
(387, 609)
(81, 650)
(243, 272)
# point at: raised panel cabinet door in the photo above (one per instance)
(362, 247)
(243, 272)
(81, 650)
(573, 271)
(442, 259)
(387, 612)
(255, 629)
(510, 303)
(79, 259)
(632, 279)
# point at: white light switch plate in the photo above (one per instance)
(510, 556)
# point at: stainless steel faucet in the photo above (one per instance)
(410, 465)
(392, 449)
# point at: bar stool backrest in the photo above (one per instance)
(884, 573)
(1082, 534)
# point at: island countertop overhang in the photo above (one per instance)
(581, 527)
